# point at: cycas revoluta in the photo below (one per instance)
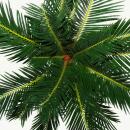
(77, 64)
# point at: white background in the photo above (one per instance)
(6, 66)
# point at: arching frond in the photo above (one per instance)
(15, 39)
(90, 15)
(110, 37)
(15, 86)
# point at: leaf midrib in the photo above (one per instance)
(56, 85)
(10, 31)
(57, 41)
(112, 38)
(81, 108)
(84, 21)
(20, 88)
(62, 5)
(48, 57)
(104, 76)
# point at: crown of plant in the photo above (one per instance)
(77, 54)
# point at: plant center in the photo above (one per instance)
(67, 58)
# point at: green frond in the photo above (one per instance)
(94, 104)
(111, 37)
(20, 88)
(33, 84)
(59, 44)
(72, 115)
(84, 19)
(15, 40)
(81, 109)
(91, 15)
(108, 78)
(8, 30)
(61, 24)
(83, 105)
(56, 86)
(43, 17)
(109, 81)
(14, 87)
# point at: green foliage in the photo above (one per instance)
(78, 64)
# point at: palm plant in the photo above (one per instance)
(77, 54)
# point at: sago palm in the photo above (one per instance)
(78, 64)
